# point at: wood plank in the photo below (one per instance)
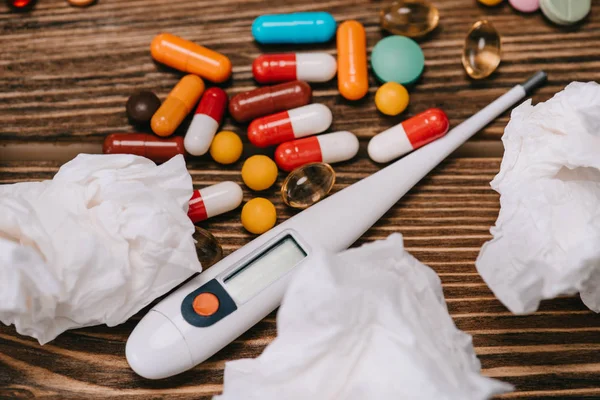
(445, 219)
(66, 72)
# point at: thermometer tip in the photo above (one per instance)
(535, 81)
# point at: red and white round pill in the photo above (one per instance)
(284, 67)
(408, 135)
(205, 124)
(289, 125)
(329, 148)
(214, 200)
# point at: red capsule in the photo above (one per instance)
(206, 121)
(213, 104)
(329, 148)
(141, 144)
(21, 4)
(309, 67)
(426, 127)
(289, 125)
(269, 68)
(409, 135)
(214, 200)
(268, 100)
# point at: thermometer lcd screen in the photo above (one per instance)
(263, 270)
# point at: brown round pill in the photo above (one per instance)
(142, 144)
(269, 100)
(141, 106)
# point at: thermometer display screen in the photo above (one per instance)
(263, 270)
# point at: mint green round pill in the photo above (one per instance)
(397, 59)
(565, 12)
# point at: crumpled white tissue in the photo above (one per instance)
(98, 242)
(547, 236)
(369, 323)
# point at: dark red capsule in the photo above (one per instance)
(141, 144)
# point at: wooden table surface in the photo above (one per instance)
(65, 74)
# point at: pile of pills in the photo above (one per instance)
(281, 115)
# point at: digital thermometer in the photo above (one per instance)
(213, 309)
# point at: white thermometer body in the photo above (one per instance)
(217, 306)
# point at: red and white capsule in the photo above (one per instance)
(409, 135)
(214, 200)
(205, 124)
(284, 67)
(289, 125)
(329, 148)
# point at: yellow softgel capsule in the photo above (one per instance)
(226, 147)
(258, 215)
(259, 172)
(391, 98)
(490, 3)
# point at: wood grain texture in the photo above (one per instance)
(551, 354)
(66, 72)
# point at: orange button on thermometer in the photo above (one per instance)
(190, 57)
(177, 105)
(353, 79)
(206, 304)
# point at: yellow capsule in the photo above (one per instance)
(482, 50)
(177, 105)
(307, 185)
(412, 18)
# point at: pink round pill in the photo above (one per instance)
(525, 6)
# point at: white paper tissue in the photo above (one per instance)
(102, 239)
(547, 236)
(369, 323)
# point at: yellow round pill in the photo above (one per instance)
(226, 147)
(491, 2)
(259, 172)
(259, 215)
(80, 3)
(391, 98)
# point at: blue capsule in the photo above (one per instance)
(303, 27)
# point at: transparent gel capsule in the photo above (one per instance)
(482, 52)
(412, 18)
(307, 185)
(208, 248)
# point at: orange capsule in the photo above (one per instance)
(190, 57)
(353, 80)
(177, 105)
